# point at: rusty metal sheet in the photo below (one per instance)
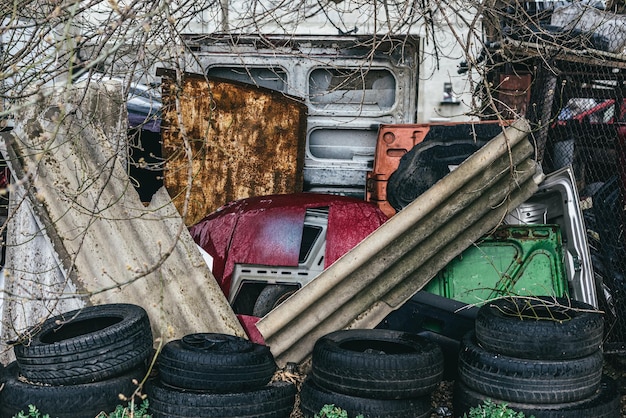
(513, 93)
(242, 141)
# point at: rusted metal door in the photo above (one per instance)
(227, 141)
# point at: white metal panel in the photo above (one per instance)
(27, 294)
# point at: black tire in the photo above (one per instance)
(313, 398)
(76, 401)
(216, 362)
(540, 328)
(528, 381)
(377, 363)
(270, 297)
(275, 400)
(604, 403)
(86, 345)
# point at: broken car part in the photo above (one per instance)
(260, 243)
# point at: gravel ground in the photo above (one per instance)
(615, 367)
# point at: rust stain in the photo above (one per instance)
(245, 141)
(513, 93)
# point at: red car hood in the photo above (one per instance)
(267, 230)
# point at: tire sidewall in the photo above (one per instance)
(528, 380)
(86, 345)
(604, 403)
(274, 400)
(128, 315)
(313, 398)
(240, 366)
(72, 401)
(543, 338)
(377, 363)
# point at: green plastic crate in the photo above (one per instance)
(524, 260)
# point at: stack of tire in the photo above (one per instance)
(216, 375)
(77, 364)
(373, 372)
(541, 356)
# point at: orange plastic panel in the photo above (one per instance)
(392, 143)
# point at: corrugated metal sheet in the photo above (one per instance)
(400, 257)
(242, 141)
(68, 156)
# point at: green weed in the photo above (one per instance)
(490, 409)
(130, 411)
(33, 412)
(332, 411)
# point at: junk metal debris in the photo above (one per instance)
(350, 84)
(400, 257)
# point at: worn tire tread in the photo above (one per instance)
(220, 372)
(275, 400)
(528, 381)
(544, 338)
(415, 370)
(72, 401)
(604, 403)
(313, 398)
(88, 357)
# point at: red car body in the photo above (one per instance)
(268, 230)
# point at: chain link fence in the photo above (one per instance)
(562, 65)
